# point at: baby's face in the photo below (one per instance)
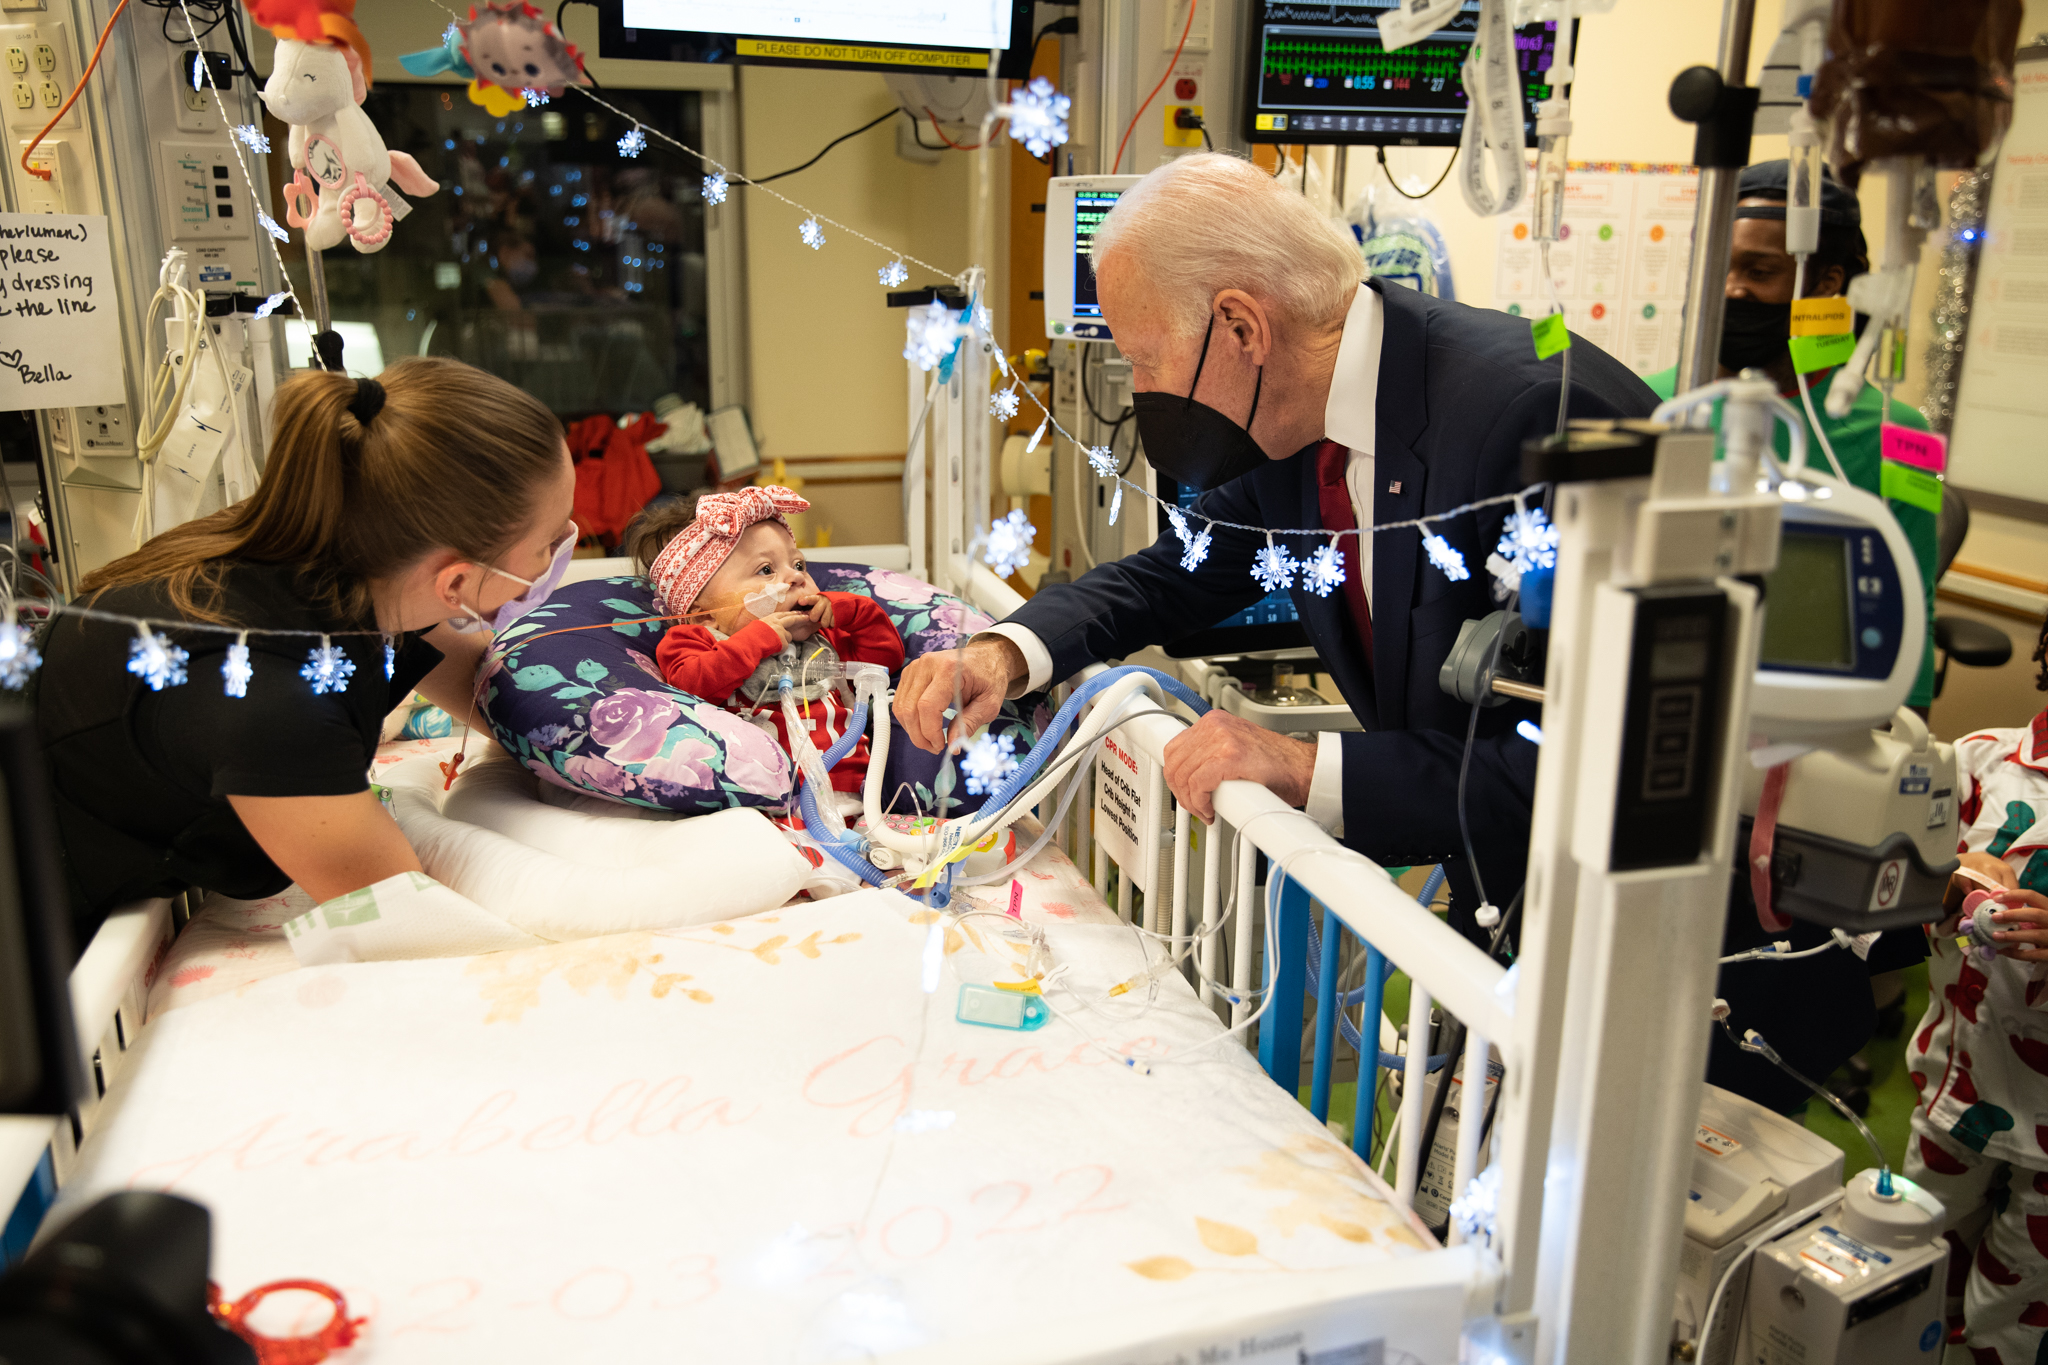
(765, 559)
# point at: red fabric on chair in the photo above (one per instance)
(614, 477)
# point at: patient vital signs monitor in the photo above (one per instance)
(875, 35)
(1074, 206)
(1318, 73)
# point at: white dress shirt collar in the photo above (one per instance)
(1351, 417)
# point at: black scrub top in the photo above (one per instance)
(142, 777)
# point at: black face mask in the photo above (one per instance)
(1753, 334)
(1192, 443)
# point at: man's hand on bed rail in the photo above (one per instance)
(1221, 748)
(979, 676)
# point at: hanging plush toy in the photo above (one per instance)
(506, 51)
(342, 172)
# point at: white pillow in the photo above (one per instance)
(499, 794)
(721, 866)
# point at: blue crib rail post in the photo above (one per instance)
(1369, 1051)
(1280, 1045)
(1326, 1019)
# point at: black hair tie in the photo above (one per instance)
(368, 402)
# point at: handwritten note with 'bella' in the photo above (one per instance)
(60, 329)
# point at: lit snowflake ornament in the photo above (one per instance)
(1038, 116)
(236, 669)
(451, 36)
(1116, 503)
(155, 660)
(1102, 460)
(270, 226)
(933, 332)
(1179, 521)
(813, 235)
(252, 137)
(1009, 544)
(1474, 1210)
(1528, 541)
(1196, 551)
(328, 667)
(534, 98)
(1445, 556)
(272, 304)
(714, 188)
(1273, 568)
(1322, 573)
(893, 274)
(1003, 404)
(634, 142)
(18, 656)
(984, 321)
(987, 760)
(1037, 436)
(390, 656)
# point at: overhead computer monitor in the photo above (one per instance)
(1318, 74)
(874, 35)
(1271, 623)
(1074, 206)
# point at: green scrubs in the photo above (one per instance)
(1855, 441)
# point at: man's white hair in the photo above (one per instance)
(1205, 223)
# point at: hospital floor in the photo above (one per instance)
(1891, 1089)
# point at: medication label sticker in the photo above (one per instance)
(1714, 1142)
(1916, 780)
(1914, 487)
(1551, 335)
(1926, 450)
(1821, 317)
(1819, 353)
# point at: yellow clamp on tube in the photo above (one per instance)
(931, 874)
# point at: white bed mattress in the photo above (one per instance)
(763, 1141)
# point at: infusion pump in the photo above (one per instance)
(157, 157)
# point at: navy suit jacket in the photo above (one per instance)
(1460, 389)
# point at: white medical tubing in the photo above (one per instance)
(1471, 1117)
(1409, 1174)
(1241, 968)
(1795, 430)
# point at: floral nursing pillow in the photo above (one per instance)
(579, 700)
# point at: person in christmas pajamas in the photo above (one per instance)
(1980, 1057)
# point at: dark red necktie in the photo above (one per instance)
(1334, 498)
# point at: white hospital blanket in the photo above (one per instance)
(705, 1144)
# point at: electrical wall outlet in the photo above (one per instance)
(1201, 33)
(35, 63)
(33, 194)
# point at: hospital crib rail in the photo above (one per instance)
(1357, 897)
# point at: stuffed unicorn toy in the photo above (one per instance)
(340, 188)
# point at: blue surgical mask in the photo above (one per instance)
(538, 590)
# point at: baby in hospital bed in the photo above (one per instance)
(750, 612)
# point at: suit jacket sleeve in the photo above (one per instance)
(1118, 608)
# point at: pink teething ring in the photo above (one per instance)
(380, 232)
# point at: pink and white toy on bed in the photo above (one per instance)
(342, 171)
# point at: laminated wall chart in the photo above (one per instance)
(1619, 261)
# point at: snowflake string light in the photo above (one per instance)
(273, 303)
(328, 667)
(1274, 568)
(534, 98)
(1037, 436)
(155, 660)
(451, 36)
(1197, 550)
(1178, 519)
(1102, 460)
(893, 274)
(1116, 504)
(1527, 541)
(933, 331)
(714, 188)
(390, 656)
(270, 226)
(1003, 404)
(812, 234)
(1009, 544)
(236, 669)
(1446, 557)
(1038, 116)
(984, 320)
(252, 137)
(18, 656)
(634, 142)
(986, 761)
(1322, 573)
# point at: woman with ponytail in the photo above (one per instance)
(416, 506)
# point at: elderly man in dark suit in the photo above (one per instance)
(1265, 372)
